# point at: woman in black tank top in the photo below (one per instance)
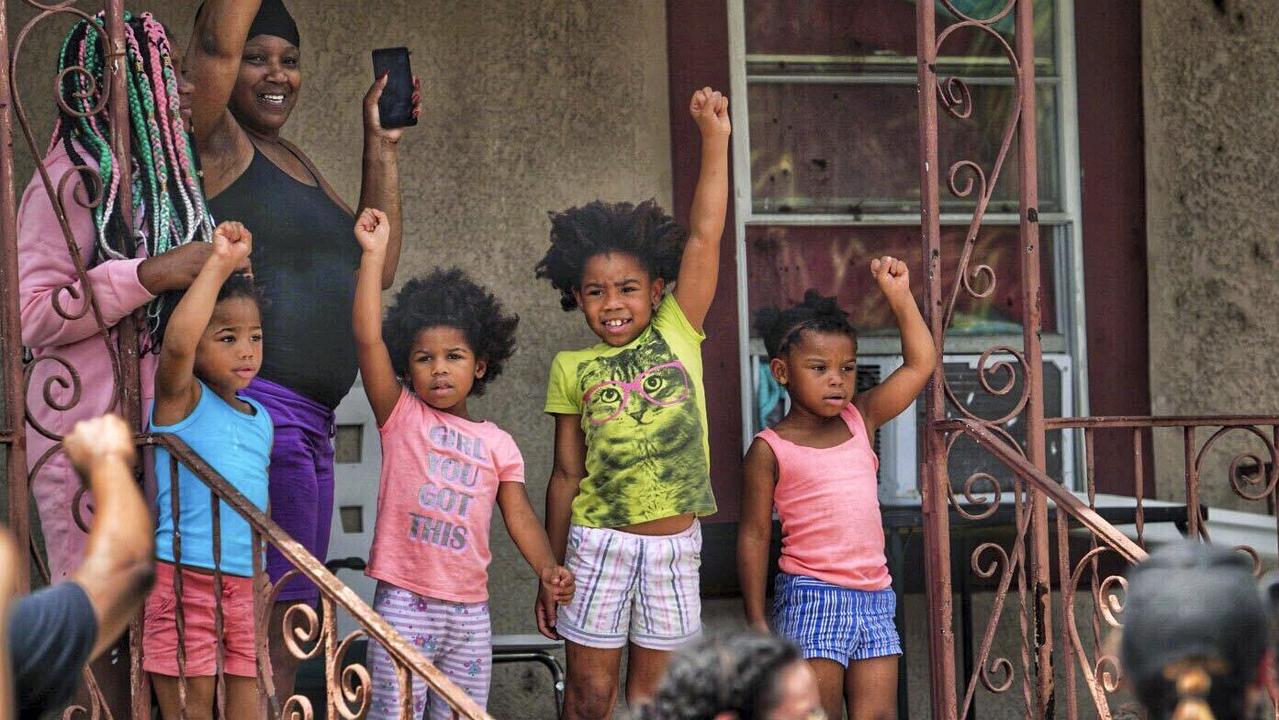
(305, 256)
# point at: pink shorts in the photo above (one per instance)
(160, 635)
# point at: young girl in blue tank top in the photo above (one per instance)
(212, 349)
(817, 467)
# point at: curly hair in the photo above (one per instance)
(782, 328)
(449, 298)
(738, 674)
(240, 285)
(578, 234)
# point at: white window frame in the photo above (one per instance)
(1068, 258)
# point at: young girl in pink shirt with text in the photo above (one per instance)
(441, 472)
(832, 596)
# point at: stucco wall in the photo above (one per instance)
(1210, 97)
(530, 105)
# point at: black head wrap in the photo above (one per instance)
(274, 19)
(1193, 604)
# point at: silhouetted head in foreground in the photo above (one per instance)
(743, 677)
(1194, 635)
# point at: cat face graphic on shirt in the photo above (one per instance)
(640, 415)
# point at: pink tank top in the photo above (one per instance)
(828, 502)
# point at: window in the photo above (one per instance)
(348, 444)
(826, 156)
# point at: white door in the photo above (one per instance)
(357, 465)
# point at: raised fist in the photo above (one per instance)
(710, 109)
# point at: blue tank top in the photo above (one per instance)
(238, 446)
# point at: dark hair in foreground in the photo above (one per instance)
(737, 674)
(597, 228)
(1194, 632)
(448, 298)
(781, 329)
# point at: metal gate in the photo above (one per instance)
(1062, 568)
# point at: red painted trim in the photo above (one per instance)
(1112, 157)
(697, 53)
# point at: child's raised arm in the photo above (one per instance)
(699, 269)
(176, 392)
(888, 399)
(755, 530)
(373, 231)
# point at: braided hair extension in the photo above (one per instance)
(168, 200)
(781, 329)
(738, 674)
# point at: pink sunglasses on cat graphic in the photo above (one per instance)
(665, 371)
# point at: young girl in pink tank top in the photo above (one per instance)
(817, 467)
(442, 473)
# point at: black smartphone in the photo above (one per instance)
(395, 107)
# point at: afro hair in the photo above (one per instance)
(448, 298)
(578, 234)
(781, 328)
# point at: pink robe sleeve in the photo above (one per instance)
(45, 267)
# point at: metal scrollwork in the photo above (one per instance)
(300, 625)
(1254, 557)
(956, 98)
(1109, 595)
(355, 685)
(996, 674)
(297, 707)
(988, 500)
(1000, 15)
(1002, 666)
(89, 89)
(1105, 674)
(1249, 486)
(64, 379)
(97, 703)
(1109, 672)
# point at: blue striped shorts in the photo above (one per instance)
(833, 622)
(645, 588)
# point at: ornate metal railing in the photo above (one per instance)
(1063, 554)
(306, 633)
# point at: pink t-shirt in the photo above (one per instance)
(828, 502)
(46, 277)
(439, 482)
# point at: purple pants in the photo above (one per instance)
(301, 478)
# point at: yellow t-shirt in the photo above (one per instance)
(644, 415)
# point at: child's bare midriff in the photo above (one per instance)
(662, 526)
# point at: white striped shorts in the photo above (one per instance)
(642, 588)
